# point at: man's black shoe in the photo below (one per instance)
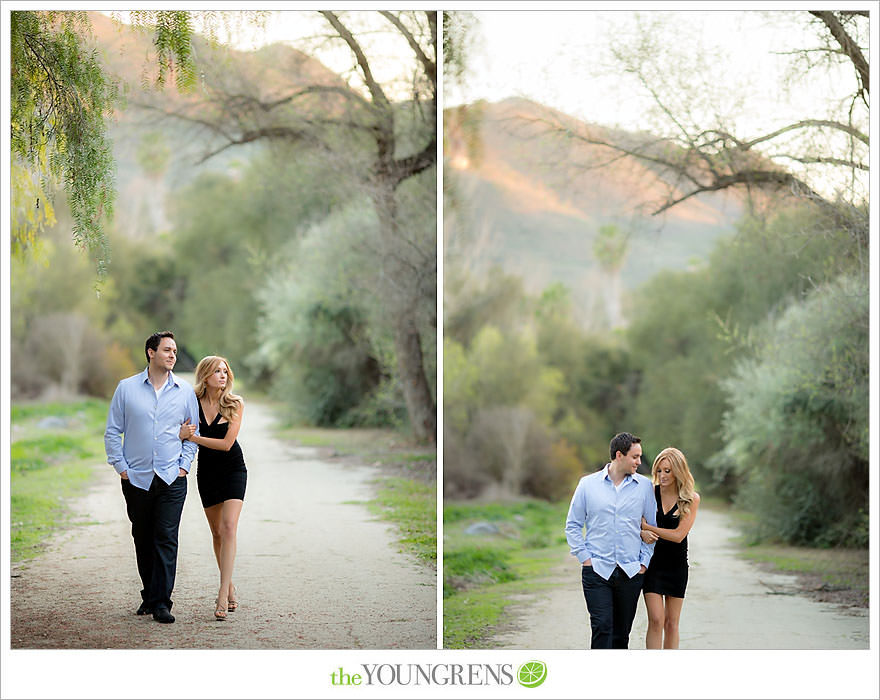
(163, 615)
(144, 609)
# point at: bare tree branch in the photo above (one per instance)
(345, 92)
(747, 177)
(414, 164)
(288, 134)
(822, 160)
(429, 65)
(379, 97)
(846, 128)
(850, 47)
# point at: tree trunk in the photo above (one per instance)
(399, 297)
(420, 404)
(613, 297)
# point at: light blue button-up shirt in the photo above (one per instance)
(151, 423)
(613, 518)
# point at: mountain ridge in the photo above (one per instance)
(525, 196)
(141, 125)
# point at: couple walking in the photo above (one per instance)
(631, 537)
(164, 421)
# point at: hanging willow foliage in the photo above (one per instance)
(61, 99)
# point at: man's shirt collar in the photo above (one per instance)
(145, 376)
(626, 479)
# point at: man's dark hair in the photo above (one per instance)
(154, 340)
(622, 442)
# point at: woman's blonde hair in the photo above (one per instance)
(229, 402)
(683, 477)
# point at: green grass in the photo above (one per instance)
(484, 573)
(467, 618)
(50, 465)
(482, 564)
(412, 506)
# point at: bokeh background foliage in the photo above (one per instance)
(702, 283)
(259, 204)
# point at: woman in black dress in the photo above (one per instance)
(221, 474)
(666, 577)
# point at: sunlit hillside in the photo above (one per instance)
(532, 202)
(157, 153)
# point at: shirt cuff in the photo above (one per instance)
(120, 467)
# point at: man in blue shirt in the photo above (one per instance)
(611, 504)
(152, 463)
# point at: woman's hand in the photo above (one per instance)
(186, 430)
(648, 537)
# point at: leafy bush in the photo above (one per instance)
(689, 328)
(796, 431)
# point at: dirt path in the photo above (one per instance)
(730, 604)
(314, 568)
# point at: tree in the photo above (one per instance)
(797, 427)
(62, 98)
(318, 335)
(383, 143)
(610, 248)
(696, 148)
(689, 328)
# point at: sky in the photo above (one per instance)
(562, 58)
(733, 63)
(308, 31)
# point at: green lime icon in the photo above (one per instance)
(532, 673)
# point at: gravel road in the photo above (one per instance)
(730, 604)
(314, 570)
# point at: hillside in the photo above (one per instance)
(528, 201)
(143, 135)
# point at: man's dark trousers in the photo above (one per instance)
(612, 605)
(155, 522)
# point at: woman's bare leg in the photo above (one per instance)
(213, 516)
(670, 624)
(656, 617)
(223, 521)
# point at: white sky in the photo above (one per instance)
(731, 63)
(391, 59)
(552, 57)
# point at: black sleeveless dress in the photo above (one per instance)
(220, 475)
(668, 572)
